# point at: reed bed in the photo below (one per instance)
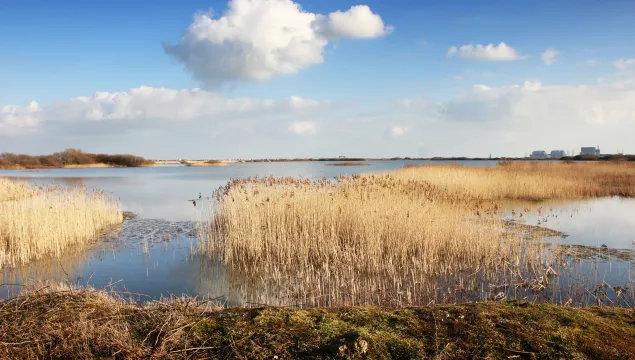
(397, 238)
(45, 220)
(527, 180)
(375, 225)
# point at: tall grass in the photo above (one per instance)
(44, 221)
(527, 180)
(365, 222)
(366, 238)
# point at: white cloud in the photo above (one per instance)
(358, 22)
(303, 127)
(511, 120)
(398, 130)
(15, 120)
(623, 64)
(145, 103)
(502, 120)
(491, 52)
(258, 39)
(549, 56)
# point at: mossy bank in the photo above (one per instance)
(92, 324)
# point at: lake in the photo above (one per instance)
(156, 253)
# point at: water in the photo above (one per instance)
(162, 192)
(157, 255)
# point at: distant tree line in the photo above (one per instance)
(68, 157)
(613, 157)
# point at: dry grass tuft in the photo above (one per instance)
(45, 220)
(69, 323)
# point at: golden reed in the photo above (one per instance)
(45, 220)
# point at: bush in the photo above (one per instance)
(68, 157)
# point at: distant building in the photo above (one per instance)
(590, 151)
(557, 154)
(539, 154)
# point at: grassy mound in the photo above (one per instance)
(92, 324)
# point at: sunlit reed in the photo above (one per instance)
(45, 220)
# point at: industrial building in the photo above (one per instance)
(557, 154)
(539, 154)
(590, 151)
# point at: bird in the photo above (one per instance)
(200, 196)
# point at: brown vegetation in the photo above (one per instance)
(69, 323)
(436, 218)
(206, 163)
(528, 180)
(45, 220)
(70, 158)
(387, 238)
(348, 163)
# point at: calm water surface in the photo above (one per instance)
(157, 255)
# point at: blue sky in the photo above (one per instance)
(51, 52)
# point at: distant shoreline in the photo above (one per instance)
(438, 158)
(120, 161)
(70, 158)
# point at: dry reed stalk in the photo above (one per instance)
(44, 221)
(14, 190)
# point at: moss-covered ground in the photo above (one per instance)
(92, 324)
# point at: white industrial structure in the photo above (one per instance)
(557, 154)
(590, 151)
(539, 154)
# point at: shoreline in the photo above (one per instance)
(92, 323)
(74, 166)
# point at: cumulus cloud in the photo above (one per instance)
(15, 120)
(358, 22)
(623, 64)
(145, 103)
(303, 127)
(491, 52)
(549, 56)
(258, 39)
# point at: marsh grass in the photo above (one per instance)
(45, 220)
(527, 181)
(421, 234)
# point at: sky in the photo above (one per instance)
(279, 78)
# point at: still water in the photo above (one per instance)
(156, 254)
